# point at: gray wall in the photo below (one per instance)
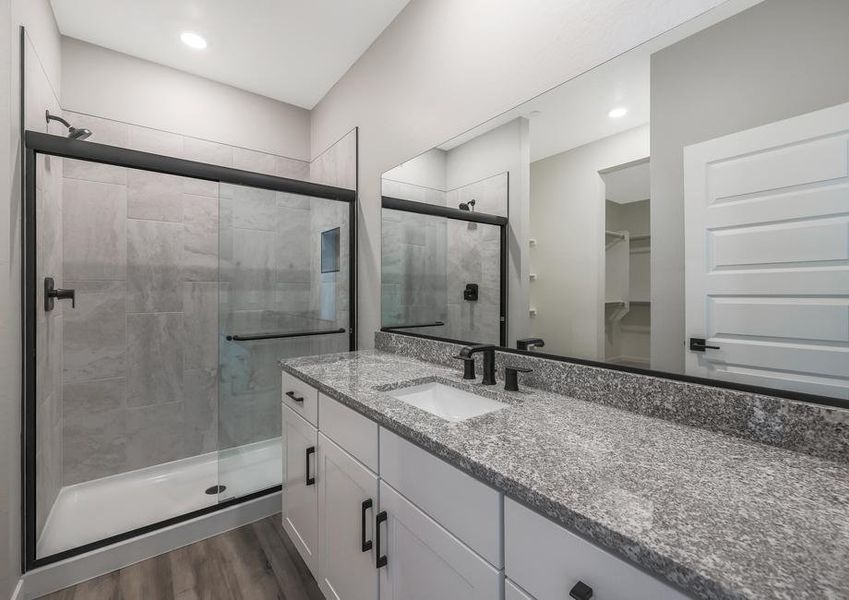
(409, 91)
(567, 220)
(9, 345)
(43, 72)
(117, 86)
(779, 59)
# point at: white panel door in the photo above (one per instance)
(347, 501)
(767, 254)
(424, 561)
(300, 494)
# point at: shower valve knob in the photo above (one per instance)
(52, 293)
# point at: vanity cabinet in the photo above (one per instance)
(300, 397)
(425, 561)
(300, 498)
(347, 505)
(463, 505)
(548, 561)
(376, 517)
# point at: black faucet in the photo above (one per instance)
(488, 351)
(530, 343)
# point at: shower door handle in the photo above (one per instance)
(310, 451)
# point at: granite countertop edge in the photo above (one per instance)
(647, 559)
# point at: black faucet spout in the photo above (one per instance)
(488, 351)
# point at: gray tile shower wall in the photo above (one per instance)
(50, 326)
(149, 256)
(141, 346)
(427, 261)
(474, 253)
(799, 426)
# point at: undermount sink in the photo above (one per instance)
(447, 402)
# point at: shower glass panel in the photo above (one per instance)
(126, 349)
(284, 292)
(158, 302)
(441, 276)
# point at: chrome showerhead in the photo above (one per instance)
(73, 132)
(470, 205)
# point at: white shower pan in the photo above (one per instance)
(93, 510)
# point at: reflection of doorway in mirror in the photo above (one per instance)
(767, 243)
(627, 278)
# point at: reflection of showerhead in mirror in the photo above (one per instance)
(469, 206)
(73, 132)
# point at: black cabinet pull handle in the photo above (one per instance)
(381, 560)
(700, 345)
(310, 480)
(366, 544)
(295, 398)
(581, 591)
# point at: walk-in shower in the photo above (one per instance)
(443, 271)
(160, 295)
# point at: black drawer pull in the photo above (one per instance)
(381, 560)
(310, 480)
(366, 544)
(581, 591)
(295, 398)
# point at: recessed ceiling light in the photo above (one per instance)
(193, 40)
(618, 112)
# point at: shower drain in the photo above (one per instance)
(216, 489)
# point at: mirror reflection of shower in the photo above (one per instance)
(73, 132)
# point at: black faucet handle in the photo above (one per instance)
(511, 377)
(528, 343)
(468, 366)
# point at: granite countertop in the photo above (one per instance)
(718, 516)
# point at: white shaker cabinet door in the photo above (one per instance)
(300, 495)
(423, 561)
(347, 500)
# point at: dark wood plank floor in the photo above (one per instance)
(254, 562)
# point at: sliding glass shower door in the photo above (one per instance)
(160, 296)
(284, 292)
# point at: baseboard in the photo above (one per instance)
(72, 571)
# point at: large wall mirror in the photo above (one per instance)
(682, 208)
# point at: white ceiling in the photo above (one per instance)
(631, 183)
(576, 112)
(290, 50)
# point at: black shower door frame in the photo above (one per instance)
(36, 143)
(421, 208)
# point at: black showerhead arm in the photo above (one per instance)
(56, 118)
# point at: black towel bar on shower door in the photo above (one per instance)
(274, 336)
(414, 326)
